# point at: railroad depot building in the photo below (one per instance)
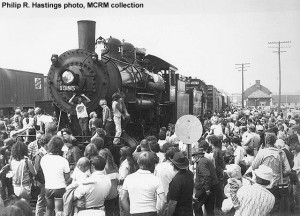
(257, 95)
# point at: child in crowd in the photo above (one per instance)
(81, 172)
(93, 118)
(234, 183)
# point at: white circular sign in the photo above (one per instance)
(188, 129)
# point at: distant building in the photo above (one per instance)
(257, 95)
(287, 100)
(236, 99)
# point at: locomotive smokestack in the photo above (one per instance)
(86, 35)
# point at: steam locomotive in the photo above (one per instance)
(154, 94)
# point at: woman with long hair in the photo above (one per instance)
(74, 153)
(22, 170)
(127, 166)
(112, 200)
(127, 163)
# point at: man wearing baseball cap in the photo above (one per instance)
(256, 199)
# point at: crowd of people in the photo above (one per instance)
(247, 162)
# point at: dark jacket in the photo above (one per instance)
(205, 175)
(289, 156)
(219, 162)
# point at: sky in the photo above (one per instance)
(203, 38)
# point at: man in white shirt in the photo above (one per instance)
(117, 112)
(165, 171)
(144, 190)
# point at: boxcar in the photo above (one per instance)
(19, 89)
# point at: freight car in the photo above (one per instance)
(19, 89)
(212, 99)
(198, 96)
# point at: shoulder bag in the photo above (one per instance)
(22, 191)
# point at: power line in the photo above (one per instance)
(242, 67)
(279, 47)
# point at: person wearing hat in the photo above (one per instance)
(206, 184)
(256, 199)
(181, 187)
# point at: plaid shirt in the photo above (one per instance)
(270, 157)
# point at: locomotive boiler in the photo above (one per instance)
(119, 67)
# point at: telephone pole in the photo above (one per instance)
(242, 67)
(279, 47)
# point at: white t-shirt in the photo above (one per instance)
(43, 119)
(124, 170)
(165, 172)
(217, 129)
(116, 111)
(54, 167)
(81, 111)
(161, 143)
(239, 154)
(143, 188)
(247, 112)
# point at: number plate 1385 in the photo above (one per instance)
(67, 88)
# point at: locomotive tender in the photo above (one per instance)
(154, 94)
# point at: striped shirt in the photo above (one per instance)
(33, 148)
(106, 114)
(254, 200)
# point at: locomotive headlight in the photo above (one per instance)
(67, 77)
